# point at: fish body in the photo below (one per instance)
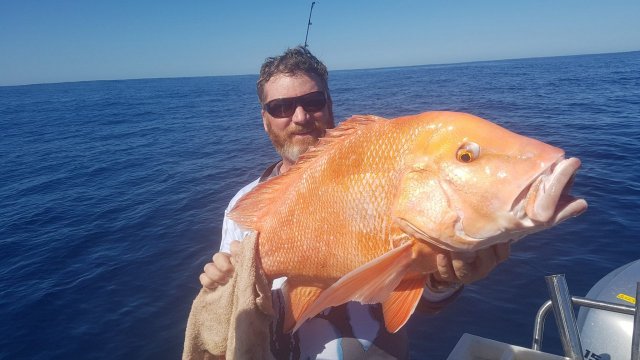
(362, 214)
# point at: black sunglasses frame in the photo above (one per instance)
(287, 106)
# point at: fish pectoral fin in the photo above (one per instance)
(368, 284)
(403, 301)
(296, 300)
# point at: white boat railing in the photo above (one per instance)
(562, 304)
(635, 339)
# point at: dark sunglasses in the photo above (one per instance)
(285, 107)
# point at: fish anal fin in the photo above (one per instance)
(402, 302)
(368, 284)
(297, 299)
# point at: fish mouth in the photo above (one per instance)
(547, 199)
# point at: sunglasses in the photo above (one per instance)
(285, 107)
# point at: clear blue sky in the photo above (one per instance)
(60, 40)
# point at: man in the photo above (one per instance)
(296, 112)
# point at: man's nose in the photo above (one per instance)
(300, 116)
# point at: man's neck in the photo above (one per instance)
(286, 164)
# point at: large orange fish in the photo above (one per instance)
(361, 215)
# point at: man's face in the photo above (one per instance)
(292, 136)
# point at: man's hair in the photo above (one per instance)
(298, 60)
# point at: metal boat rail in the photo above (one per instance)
(562, 304)
(604, 328)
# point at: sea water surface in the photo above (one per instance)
(113, 193)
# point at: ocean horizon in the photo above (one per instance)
(332, 71)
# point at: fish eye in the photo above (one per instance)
(468, 152)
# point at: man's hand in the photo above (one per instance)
(470, 267)
(219, 271)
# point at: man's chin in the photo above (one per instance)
(295, 144)
(292, 152)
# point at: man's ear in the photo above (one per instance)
(264, 120)
(330, 109)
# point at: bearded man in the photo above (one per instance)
(297, 110)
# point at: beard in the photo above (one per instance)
(289, 146)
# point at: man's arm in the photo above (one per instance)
(219, 270)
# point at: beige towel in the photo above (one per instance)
(233, 321)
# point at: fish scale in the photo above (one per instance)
(353, 189)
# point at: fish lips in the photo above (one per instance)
(548, 199)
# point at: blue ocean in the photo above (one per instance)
(112, 195)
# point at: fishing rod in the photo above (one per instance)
(308, 24)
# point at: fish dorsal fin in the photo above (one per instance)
(251, 210)
(345, 128)
(403, 301)
(254, 205)
(296, 300)
(369, 283)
